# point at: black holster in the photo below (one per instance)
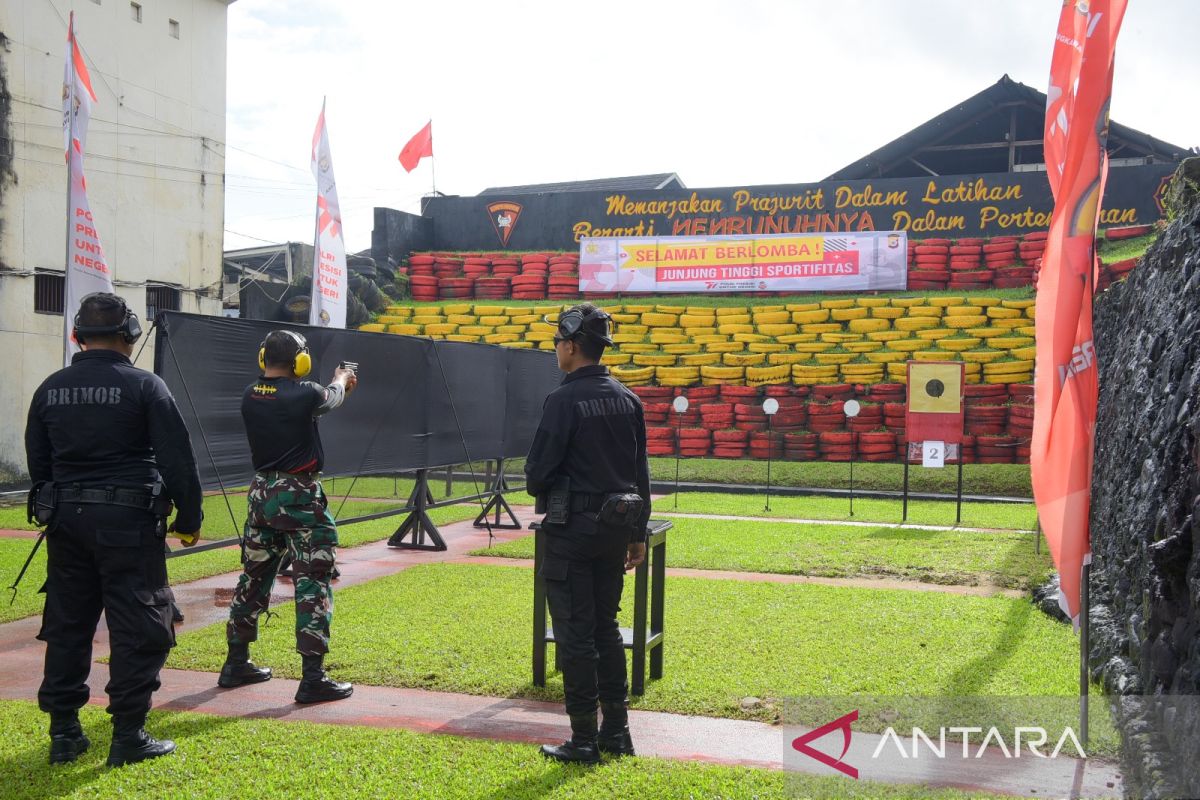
(622, 511)
(160, 505)
(41, 503)
(556, 504)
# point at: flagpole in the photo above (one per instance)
(68, 312)
(433, 173)
(1084, 614)
(1085, 595)
(316, 261)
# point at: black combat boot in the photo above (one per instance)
(581, 747)
(240, 670)
(318, 687)
(131, 743)
(614, 737)
(67, 740)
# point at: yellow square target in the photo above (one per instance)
(935, 387)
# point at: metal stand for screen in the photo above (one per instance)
(498, 504)
(418, 522)
(649, 578)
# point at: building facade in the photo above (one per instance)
(154, 163)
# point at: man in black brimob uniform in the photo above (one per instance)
(588, 458)
(107, 448)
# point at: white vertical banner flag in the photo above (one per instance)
(87, 270)
(329, 261)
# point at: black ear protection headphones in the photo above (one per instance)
(129, 327)
(594, 323)
(301, 362)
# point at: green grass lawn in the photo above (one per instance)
(1008, 516)
(222, 758)
(1007, 480)
(1002, 558)
(466, 628)
(1010, 480)
(192, 567)
(1121, 249)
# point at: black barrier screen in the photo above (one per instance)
(416, 402)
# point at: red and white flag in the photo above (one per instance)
(418, 147)
(87, 270)
(330, 283)
(78, 95)
(1066, 381)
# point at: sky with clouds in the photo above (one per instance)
(740, 92)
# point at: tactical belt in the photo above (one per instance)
(109, 496)
(275, 474)
(582, 501)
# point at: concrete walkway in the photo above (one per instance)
(713, 740)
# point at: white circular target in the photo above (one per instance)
(851, 408)
(770, 406)
(680, 404)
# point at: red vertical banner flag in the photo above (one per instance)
(418, 147)
(1066, 383)
(87, 270)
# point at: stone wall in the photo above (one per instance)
(1145, 520)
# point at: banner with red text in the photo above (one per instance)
(845, 262)
(329, 258)
(1066, 380)
(87, 270)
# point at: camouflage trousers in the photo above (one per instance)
(287, 515)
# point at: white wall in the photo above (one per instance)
(154, 164)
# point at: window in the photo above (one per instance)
(173, 28)
(161, 298)
(135, 11)
(48, 291)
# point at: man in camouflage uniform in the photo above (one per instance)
(287, 515)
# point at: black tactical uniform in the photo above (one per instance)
(593, 433)
(105, 434)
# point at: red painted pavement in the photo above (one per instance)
(10, 533)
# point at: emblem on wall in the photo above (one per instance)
(504, 216)
(1160, 194)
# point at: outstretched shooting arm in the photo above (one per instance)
(343, 383)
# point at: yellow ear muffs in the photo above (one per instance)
(302, 365)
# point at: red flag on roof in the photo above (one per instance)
(417, 148)
(1066, 381)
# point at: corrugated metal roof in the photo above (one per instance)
(662, 180)
(987, 113)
